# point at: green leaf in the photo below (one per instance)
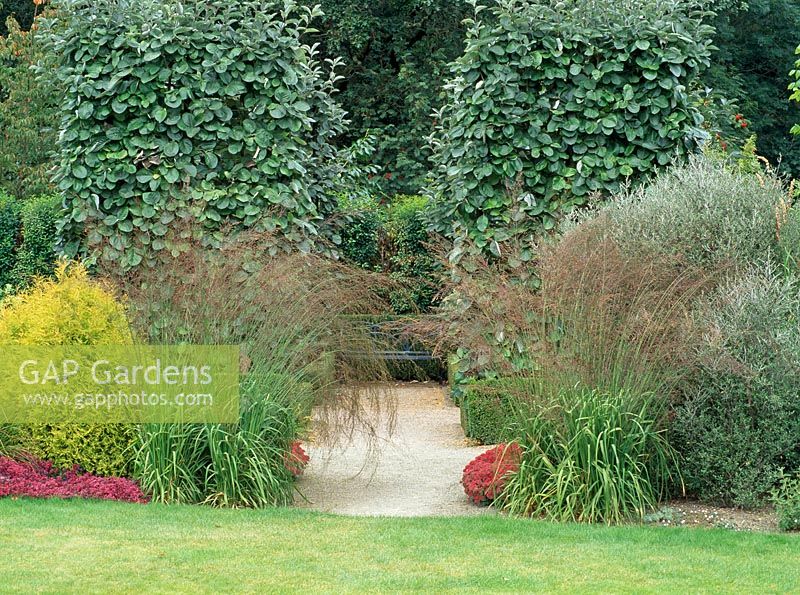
(85, 110)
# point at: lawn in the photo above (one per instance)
(72, 546)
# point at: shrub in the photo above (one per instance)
(36, 255)
(786, 499)
(703, 211)
(9, 236)
(485, 477)
(38, 479)
(297, 459)
(487, 407)
(288, 310)
(217, 112)
(413, 261)
(552, 101)
(104, 450)
(740, 421)
(71, 309)
(592, 456)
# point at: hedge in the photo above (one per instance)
(490, 408)
(207, 112)
(552, 102)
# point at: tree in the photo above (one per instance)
(756, 41)
(28, 115)
(201, 112)
(395, 55)
(551, 102)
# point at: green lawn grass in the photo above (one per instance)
(80, 546)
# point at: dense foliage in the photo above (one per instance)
(22, 11)
(36, 253)
(214, 111)
(9, 232)
(102, 449)
(395, 56)
(28, 115)
(37, 317)
(394, 239)
(756, 39)
(27, 240)
(553, 101)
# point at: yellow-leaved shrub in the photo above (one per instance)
(72, 309)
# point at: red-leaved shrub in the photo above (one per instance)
(39, 479)
(297, 459)
(485, 476)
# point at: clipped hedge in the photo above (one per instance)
(551, 102)
(28, 235)
(204, 110)
(490, 408)
(106, 450)
(361, 238)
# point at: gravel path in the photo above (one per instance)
(415, 473)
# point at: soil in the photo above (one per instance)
(688, 513)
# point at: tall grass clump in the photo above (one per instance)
(592, 456)
(284, 314)
(607, 336)
(610, 352)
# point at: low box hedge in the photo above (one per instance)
(490, 408)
